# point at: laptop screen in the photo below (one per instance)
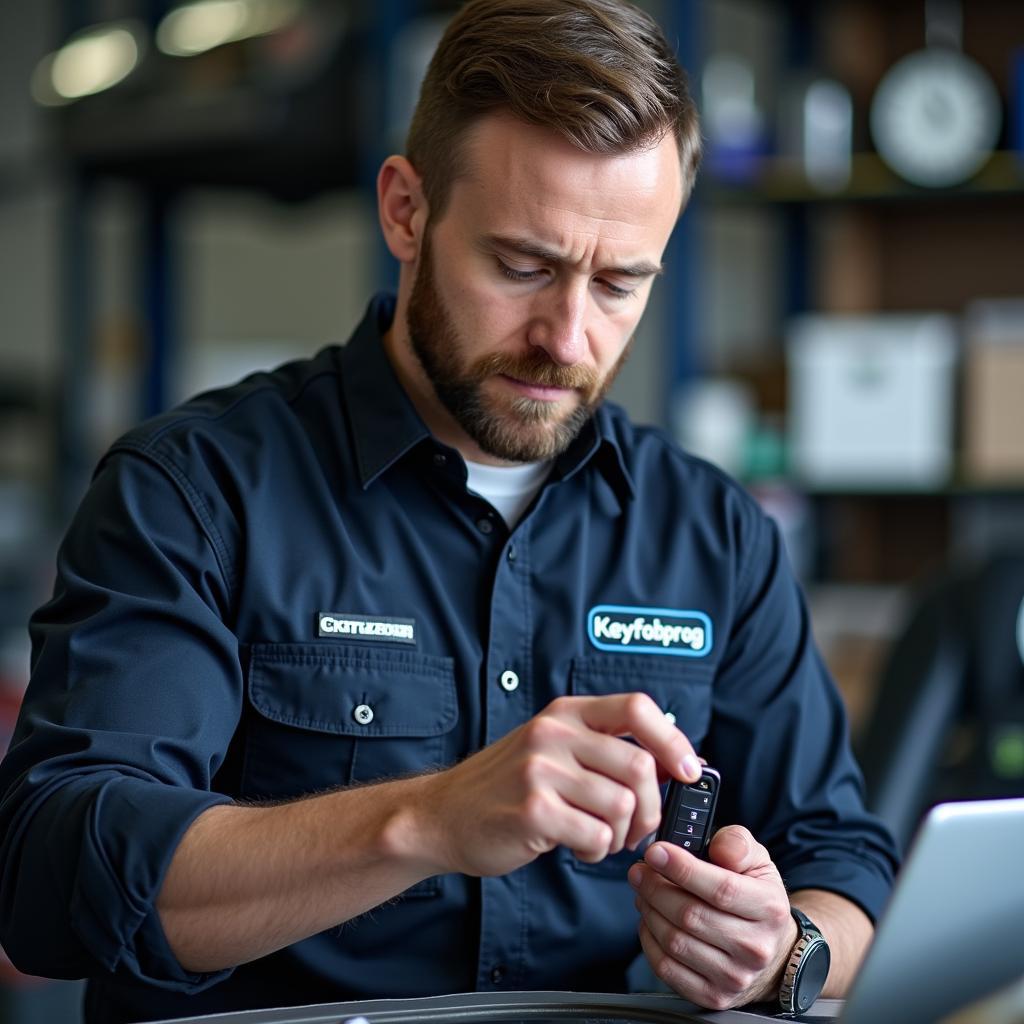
(954, 929)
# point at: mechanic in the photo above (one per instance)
(360, 677)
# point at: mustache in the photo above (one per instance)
(536, 368)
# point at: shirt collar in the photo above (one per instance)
(597, 444)
(385, 424)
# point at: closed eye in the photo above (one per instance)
(518, 275)
(613, 290)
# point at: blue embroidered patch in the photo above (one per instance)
(625, 629)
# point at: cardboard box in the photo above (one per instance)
(871, 400)
(993, 435)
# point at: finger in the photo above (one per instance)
(664, 776)
(632, 767)
(601, 797)
(545, 819)
(686, 948)
(734, 848)
(686, 912)
(586, 835)
(681, 979)
(726, 890)
(637, 715)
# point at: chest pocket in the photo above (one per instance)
(682, 690)
(328, 715)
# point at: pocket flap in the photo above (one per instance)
(321, 686)
(682, 688)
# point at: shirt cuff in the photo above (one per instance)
(134, 827)
(857, 883)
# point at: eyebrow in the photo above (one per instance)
(528, 247)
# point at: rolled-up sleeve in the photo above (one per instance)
(780, 724)
(134, 695)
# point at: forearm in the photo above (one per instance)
(245, 881)
(847, 929)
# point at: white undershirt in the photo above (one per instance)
(510, 489)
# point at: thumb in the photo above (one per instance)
(735, 849)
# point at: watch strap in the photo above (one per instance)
(810, 944)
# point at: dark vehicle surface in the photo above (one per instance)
(512, 1008)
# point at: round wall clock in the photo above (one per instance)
(935, 117)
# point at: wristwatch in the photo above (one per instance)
(806, 968)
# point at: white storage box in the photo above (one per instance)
(871, 400)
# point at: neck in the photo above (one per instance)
(418, 387)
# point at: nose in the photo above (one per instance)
(559, 323)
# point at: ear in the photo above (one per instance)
(402, 208)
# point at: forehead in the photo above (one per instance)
(522, 178)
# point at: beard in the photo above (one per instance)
(515, 429)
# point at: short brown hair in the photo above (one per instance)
(598, 72)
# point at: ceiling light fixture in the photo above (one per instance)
(91, 61)
(202, 25)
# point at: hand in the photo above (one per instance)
(717, 933)
(566, 777)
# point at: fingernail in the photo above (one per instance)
(656, 856)
(635, 876)
(691, 767)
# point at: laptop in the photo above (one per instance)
(953, 931)
(952, 934)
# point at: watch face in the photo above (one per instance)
(811, 976)
(935, 117)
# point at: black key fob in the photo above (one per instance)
(689, 811)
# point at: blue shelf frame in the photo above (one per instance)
(683, 23)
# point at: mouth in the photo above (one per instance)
(538, 392)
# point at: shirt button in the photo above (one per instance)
(498, 974)
(509, 680)
(484, 525)
(670, 718)
(440, 459)
(363, 714)
(511, 552)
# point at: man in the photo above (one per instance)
(435, 558)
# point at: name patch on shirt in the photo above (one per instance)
(344, 625)
(613, 627)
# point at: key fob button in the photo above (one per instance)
(688, 815)
(695, 800)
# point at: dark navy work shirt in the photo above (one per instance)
(285, 586)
